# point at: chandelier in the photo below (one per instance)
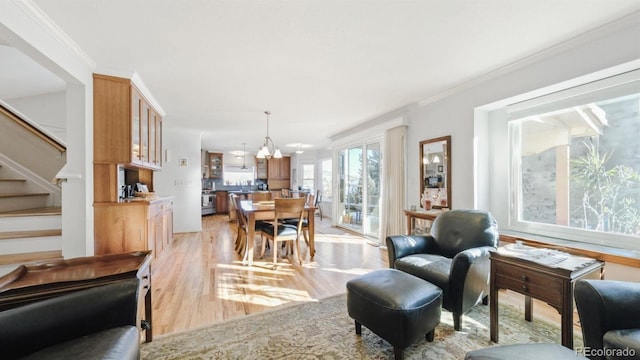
(269, 149)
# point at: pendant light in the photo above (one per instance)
(265, 152)
(244, 156)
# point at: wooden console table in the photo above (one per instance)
(30, 283)
(420, 214)
(550, 283)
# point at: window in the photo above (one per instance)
(326, 168)
(237, 176)
(307, 177)
(575, 164)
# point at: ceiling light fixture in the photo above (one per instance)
(265, 153)
(244, 156)
(299, 151)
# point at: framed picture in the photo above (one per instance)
(440, 168)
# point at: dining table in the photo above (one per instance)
(266, 210)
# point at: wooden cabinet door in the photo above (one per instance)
(144, 133)
(222, 202)
(158, 137)
(136, 135)
(261, 168)
(273, 171)
(215, 165)
(285, 168)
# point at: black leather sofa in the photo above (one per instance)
(95, 323)
(454, 257)
(610, 318)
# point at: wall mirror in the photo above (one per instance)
(435, 171)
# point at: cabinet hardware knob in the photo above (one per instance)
(524, 278)
(525, 288)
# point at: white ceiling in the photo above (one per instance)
(320, 66)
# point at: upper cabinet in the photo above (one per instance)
(127, 129)
(261, 169)
(215, 165)
(278, 173)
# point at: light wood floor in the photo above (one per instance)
(201, 280)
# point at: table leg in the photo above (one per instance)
(528, 308)
(312, 232)
(251, 235)
(493, 310)
(566, 317)
(409, 224)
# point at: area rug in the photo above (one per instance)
(323, 330)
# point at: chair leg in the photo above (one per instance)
(298, 250)
(457, 321)
(398, 353)
(485, 300)
(305, 232)
(358, 328)
(275, 252)
(430, 335)
(264, 243)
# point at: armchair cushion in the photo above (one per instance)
(609, 313)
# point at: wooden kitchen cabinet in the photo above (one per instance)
(133, 226)
(127, 129)
(222, 202)
(215, 165)
(261, 169)
(278, 173)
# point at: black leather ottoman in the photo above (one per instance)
(398, 307)
(534, 351)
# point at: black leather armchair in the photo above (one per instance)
(610, 318)
(454, 257)
(96, 323)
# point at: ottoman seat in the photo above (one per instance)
(533, 351)
(398, 307)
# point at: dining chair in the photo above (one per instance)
(261, 196)
(317, 202)
(286, 193)
(241, 242)
(309, 200)
(278, 231)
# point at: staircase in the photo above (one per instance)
(30, 211)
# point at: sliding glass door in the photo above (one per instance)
(359, 188)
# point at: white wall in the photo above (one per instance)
(46, 110)
(183, 183)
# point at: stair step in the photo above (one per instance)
(29, 234)
(42, 211)
(23, 194)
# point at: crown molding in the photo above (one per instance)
(33, 11)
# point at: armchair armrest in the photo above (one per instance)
(605, 305)
(399, 246)
(470, 271)
(41, 324)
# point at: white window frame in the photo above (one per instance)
(606, 88)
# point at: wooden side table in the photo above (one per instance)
(30, 283)
(420, 214)
(550, 283)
